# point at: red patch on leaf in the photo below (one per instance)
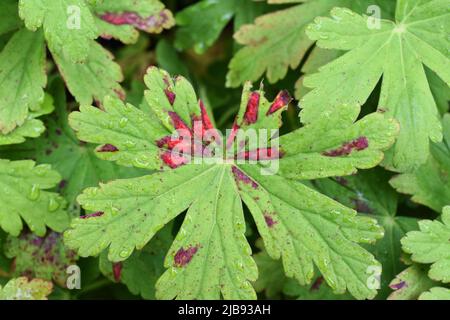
(206, 121)
(177, 122)
(240, 176)
(173, 160)
(117, 271)
(146, 24)
(269, 221)
(358, 144)
(92, 215)
(184, 256)
(108, 148)
(170, 95)
(282, 99)
(233, 133)
(260, 154)
(251, 113)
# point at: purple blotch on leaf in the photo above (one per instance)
(108, 148)
(184, 256)
(358, 144)
(240, 176)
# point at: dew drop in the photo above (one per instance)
(53, 205)
(35, 192)
(123, 122)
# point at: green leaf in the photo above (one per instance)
(437, 293)
(120, 19)
(24, 197)
(410, 283)
(22, 78)
(32, 127)
(22, 289)
(210, 256)
(397, 52)
(369, 193)
(93, 79)
(68, 25)
(141, 271)
(431, 245)
(40, 257)
(430, 183)
(73, 159)
(277, 41)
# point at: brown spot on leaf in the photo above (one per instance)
(92, 215)
(108, 148)
(239, 176)
(269, 221)
(358, 144)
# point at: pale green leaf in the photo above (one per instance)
(32, 127)
(410, 283)
(120, 19)
(22, 78)
(430, 183)
(210, 256)
(396, 52)
(68, 25)
(24, 197)
(431, 245)
(22, 289)
(436, 293)
(277, 41)
(93, 79)
(40, 257)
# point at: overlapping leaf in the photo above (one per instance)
(120, 19)
(22, 289)
(436, 293)
(69, 28)
(141, 271)
(68, 25)
(22, 78)
(368, 192)
(430, 183)
(411, 283)
(40, 257)
(24, 197)
(397, 51)
(277, 41)
(210, 256)
(74, 160)
(431, 245)
(32, 127)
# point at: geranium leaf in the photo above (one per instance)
(24, 196)
(68, 25)
(172, 133)
(23, 289)
(22, 78)
(415, 38)
(430, 183)
(431, 245)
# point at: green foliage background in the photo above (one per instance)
(321, 51)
